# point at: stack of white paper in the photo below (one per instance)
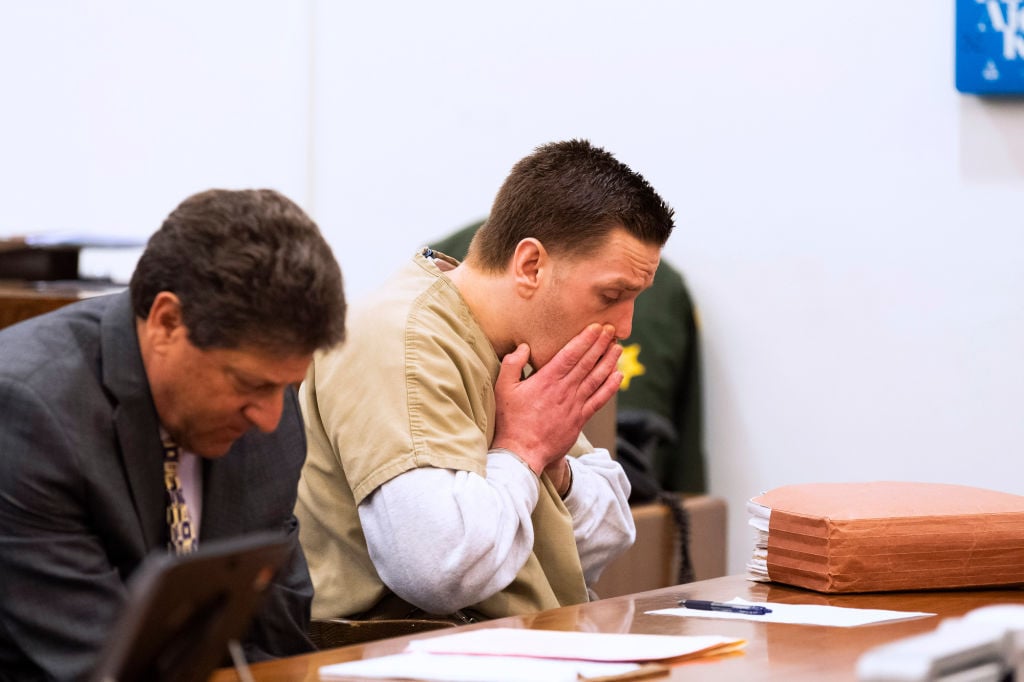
(506, 654)
(759, 518)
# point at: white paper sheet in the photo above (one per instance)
(584, 646)
(465, 668)
(514, 655)
(803, 614)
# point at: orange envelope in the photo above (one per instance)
(889, 535)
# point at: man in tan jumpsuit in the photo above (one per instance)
(447, 473)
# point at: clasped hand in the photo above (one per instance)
(539, 418)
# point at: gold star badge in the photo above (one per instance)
(629, 364)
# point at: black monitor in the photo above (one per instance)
(182, 611)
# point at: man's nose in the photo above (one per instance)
(624, 321)
(265, 413)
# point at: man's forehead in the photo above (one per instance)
(263, 366)
(641, 281)
(632, 270)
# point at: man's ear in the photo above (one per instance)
(530, 265)
(164, 325)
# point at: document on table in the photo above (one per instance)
(471, 668)
(499, 654)
(802, 614)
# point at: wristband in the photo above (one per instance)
(568, 489)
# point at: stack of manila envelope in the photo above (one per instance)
(887, 535)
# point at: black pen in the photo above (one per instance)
(749, 610)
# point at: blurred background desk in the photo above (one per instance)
(44, 272)
(774, 651)
(20, 300)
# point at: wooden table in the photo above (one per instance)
(774, 651)
(21, 300)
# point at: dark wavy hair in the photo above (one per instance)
(250, 268)
(569, 195)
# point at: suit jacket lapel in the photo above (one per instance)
(135, 419)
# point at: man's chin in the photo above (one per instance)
(212, 448)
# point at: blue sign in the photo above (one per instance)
(990, 47)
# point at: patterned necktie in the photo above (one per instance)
(182, 540)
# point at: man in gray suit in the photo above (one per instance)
(226, 306)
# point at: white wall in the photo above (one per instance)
(114, 111)
(849, 224)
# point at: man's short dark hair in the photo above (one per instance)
(250, 269)
(569, 195)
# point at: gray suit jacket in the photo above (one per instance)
(82, 498)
